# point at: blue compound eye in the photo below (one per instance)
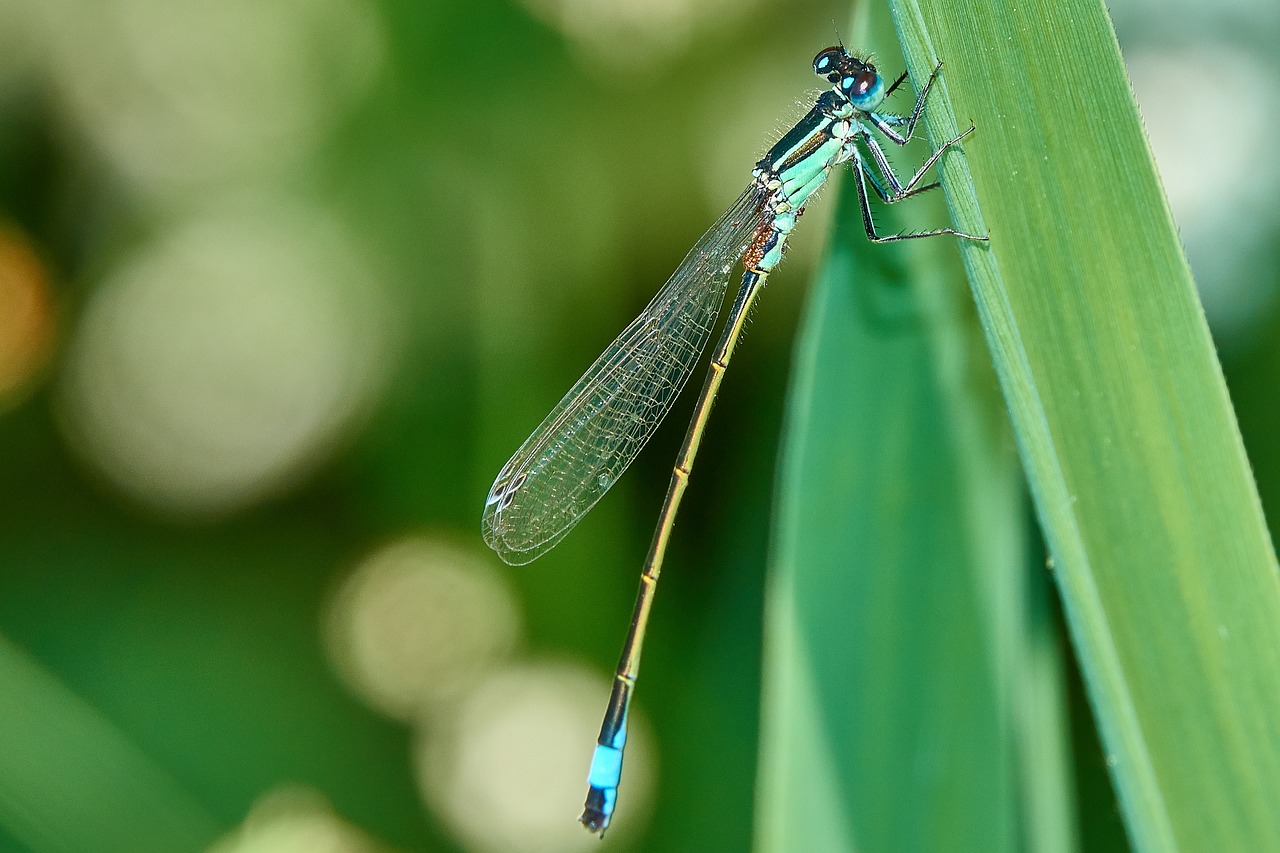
(865, 90)
(858, 87)
(827, 63)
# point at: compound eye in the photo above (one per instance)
(827, 63)
(859, 86)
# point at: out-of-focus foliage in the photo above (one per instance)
(283, 284)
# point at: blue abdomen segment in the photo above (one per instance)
(603, 779)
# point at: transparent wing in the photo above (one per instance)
(596, 430)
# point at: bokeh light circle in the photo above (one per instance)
(182, 94)
(225, 359)
(417, 623)
(1225, 210)
(623, 38)
(295, 820)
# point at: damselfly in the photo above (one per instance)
(594, 433)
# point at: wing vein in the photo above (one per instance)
(596, 430)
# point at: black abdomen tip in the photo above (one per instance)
(594, 820)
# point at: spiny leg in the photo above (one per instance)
(886, 122)
(860, 169)
(886, 196)
(902, 78)
(893, 195)
(898, 190)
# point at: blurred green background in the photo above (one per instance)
(281, 288)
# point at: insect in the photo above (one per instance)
(587, 441)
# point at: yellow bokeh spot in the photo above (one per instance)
(26, 313)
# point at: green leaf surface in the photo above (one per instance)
(896, 540)
(913, 678)
(1127, 436)
(881, 725)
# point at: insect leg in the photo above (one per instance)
(862, 171)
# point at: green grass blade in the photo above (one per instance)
(913, 677)
(1127, 436)
(881, 728)
(70, 782)
(895, 619)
